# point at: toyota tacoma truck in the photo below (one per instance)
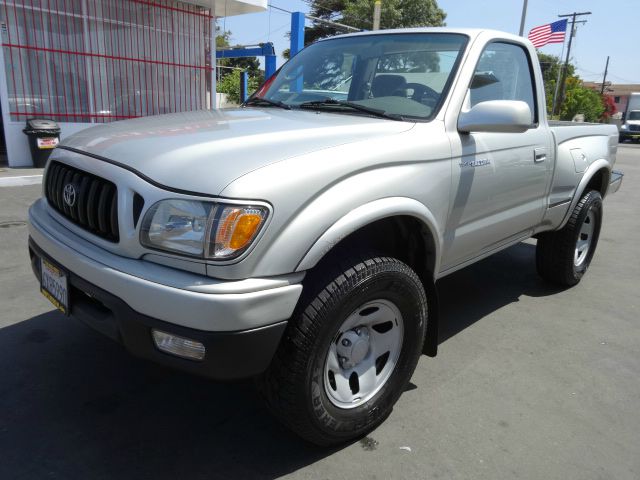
(298, 239)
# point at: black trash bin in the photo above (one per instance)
(44, 135)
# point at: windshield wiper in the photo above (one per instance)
(330, 102)
(265, 101)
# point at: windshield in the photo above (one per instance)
(404, 75)
(634, 115)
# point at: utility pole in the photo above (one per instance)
(376, 14)
(604, 78)
(566, 62)
(524, 16)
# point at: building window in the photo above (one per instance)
(104, 60)
(616, 99)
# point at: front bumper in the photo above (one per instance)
(240, 323)
(229, 355)
(629, 135)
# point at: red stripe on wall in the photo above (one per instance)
(122, 58)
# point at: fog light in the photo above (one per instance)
(179, 346)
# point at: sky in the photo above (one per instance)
(611, 29)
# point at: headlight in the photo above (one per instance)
(623, 126)
(201, 229)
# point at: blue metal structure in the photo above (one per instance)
(265, 50)
(244, 86)
(297, 33)
(297, 44)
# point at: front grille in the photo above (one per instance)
(91, 202)
(634, 128)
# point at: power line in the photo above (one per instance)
(271, 5)
(321, 20)
(335, 24)
(590, 73)
(272, 31)
(624, 79)
(315, 3)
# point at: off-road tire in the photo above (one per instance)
(293, 385)
(555, 251)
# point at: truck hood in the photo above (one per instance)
(204, 151)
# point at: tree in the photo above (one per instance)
(551, 65)
(394, 13)
(330, 10)
(609, 108)
(327, 10)
(250, 64)
(581, 100)
(230, 85)
(577, 98)
(359, 14)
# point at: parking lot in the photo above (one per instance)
(531, 381)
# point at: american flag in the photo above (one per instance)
(549, 33)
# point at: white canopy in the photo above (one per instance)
(227, 8)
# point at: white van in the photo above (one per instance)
(630, 128)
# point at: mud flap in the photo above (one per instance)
(430, 347)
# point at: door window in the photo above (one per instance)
(503, 73)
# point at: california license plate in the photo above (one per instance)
(47, 142)
(54, 285)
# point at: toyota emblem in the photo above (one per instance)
(69, 194)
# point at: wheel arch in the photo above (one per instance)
(380, 223)
(596, 177)
(399, 227)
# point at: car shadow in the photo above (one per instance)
(474, 292)
(74, 404)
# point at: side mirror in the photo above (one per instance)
(507, 116)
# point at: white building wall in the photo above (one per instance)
(98, 73)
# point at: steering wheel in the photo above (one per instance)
(423, 94)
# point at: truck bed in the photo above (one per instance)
(564, 131)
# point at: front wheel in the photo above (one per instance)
(563, 256)
(349, 350)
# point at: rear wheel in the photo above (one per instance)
(564, 256)
(349, 350)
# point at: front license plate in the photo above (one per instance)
(54, 285)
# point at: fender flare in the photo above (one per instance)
(367, 214)
(591, 171)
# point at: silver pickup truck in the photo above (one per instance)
(298, 239)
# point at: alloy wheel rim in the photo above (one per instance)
(363, 353)
(585, 239)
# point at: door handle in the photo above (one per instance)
(539, 155)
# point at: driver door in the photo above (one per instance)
(499, 179)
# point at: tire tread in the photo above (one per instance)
(555, 250)
(280, 385)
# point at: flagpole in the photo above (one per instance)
(524, 16)
(560, 66)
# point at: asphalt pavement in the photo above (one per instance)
(530, 382)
